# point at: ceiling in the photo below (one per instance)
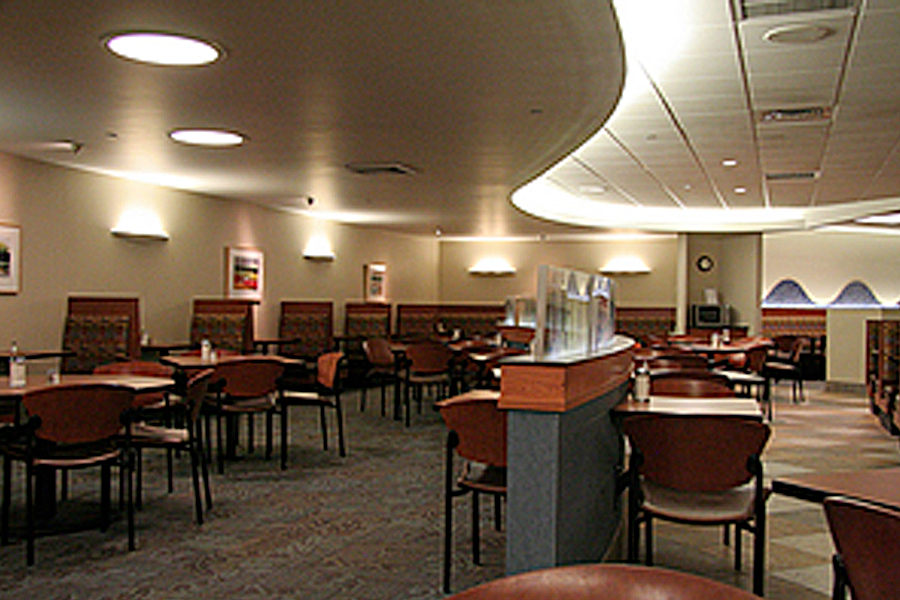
(474, 100)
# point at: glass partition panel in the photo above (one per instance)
(575, 312)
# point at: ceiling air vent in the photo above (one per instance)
(795, 115)
(796, 176)
(768, 8)
(388, 168)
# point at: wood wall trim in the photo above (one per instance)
(549, 387)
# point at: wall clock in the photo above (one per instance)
(705, 263)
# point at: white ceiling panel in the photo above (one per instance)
(479, 97)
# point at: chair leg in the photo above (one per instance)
(269, 430)
(7, 497)
(29, 514)
(195, 475)
(476, 528)
(339, 416)
(220, 450)
(250, 446)
(284, 434)
(362, 396)
(738, 547)
(648, 540)
(498, 518)
(324, 422)
(759, 553)
(204, 465)
(448, 518)
(105, 482)
(170, 466)
(383, 398)
(130, 462)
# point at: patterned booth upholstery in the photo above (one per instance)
(642, 324)
(420, 321)
(227, 324)
(311, 324)
(367, 320)
(99, 331)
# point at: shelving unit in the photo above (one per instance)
(883, 371)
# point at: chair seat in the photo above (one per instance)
(483, 478)
(429, 378)
(248, 405)
(709, 507)
(296, 398)
(144, 434)
(75, 458)
(781, 366)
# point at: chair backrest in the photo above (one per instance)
(195, 391)
(78, 413)
(249, 377)
(787, 347)
(328, 369)
(428, 357)
(603, 582)
(679, 361)
(480, 425)
(866, 537)
(378, 352)
(755, 359)
(695, 453)
(691, 384)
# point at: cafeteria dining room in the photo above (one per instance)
(735, 153)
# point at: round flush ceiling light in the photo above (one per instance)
(162, 48)
(207, 137)
(798, 34)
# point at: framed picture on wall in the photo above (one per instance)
(10, 259)
(376, 282)
(244, 273)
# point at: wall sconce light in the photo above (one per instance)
(625, 264)
(318, 248)
(492, 266)
(140, 224)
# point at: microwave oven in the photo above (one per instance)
(710, 315)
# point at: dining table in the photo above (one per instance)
(11, 401)
(876, 486)
(675, 405)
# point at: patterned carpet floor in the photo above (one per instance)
(369, 526)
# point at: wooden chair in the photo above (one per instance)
(784, 363)
(382, 369)
(180, 431)
(700, 471)
(477, 433)
(73, 426)
(866, 538)
(691, 384)
(427, 366)
(603, 582)
(243, 386)
(325, 393)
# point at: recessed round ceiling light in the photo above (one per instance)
(162, 48)
(798, 34)
(207, 137)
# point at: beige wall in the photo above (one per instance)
(656, 288)
(736, 274)
(824, 262)
(67, 248)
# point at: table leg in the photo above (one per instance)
(45, 492)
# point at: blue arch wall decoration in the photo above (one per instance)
(855, 293)
(787, 292)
